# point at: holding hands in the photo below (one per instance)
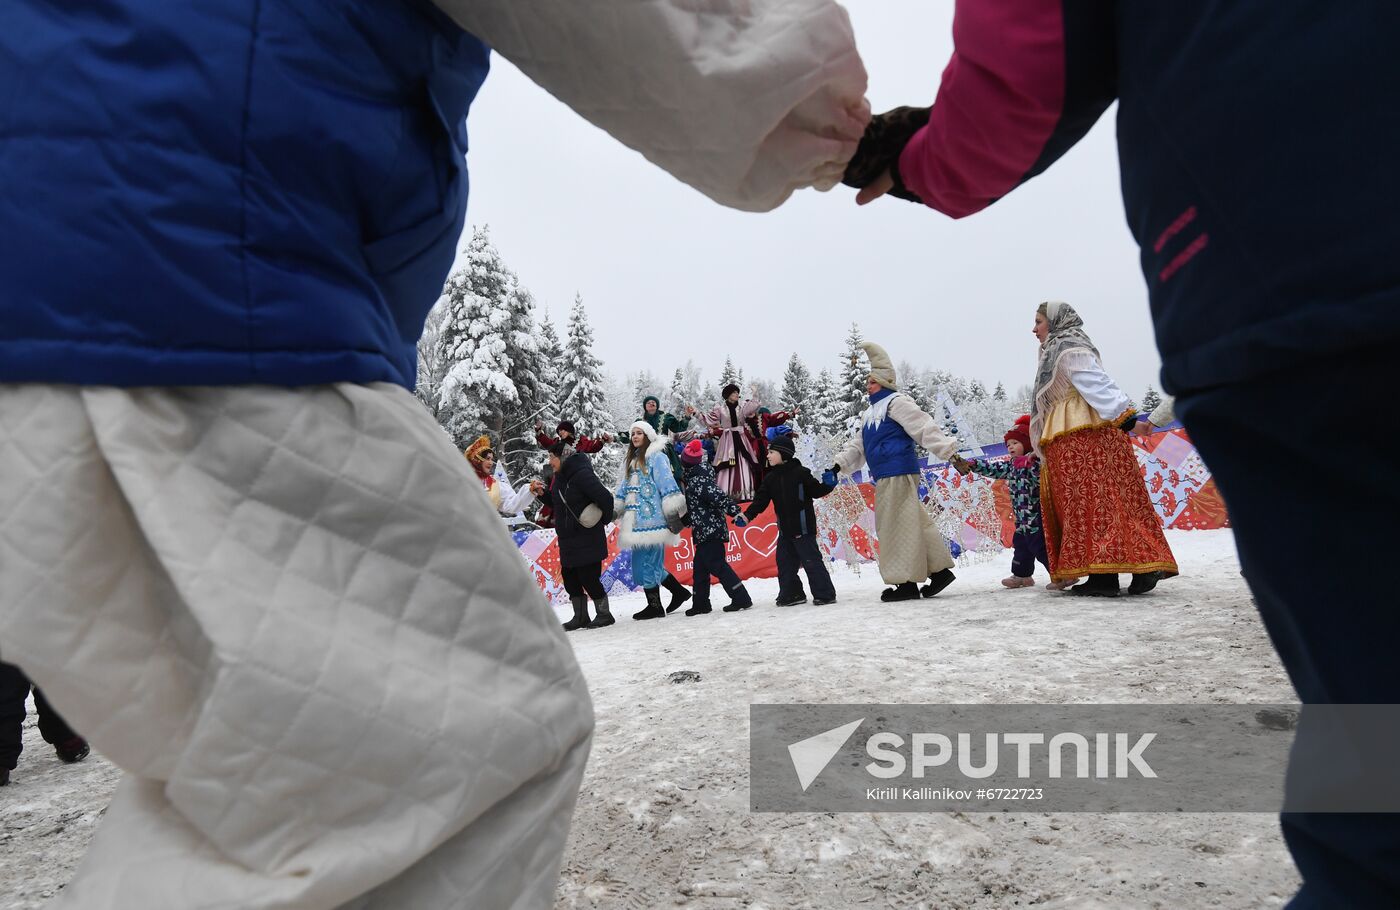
(961, 465)
(874, 169)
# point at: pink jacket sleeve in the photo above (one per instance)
(1026, 81)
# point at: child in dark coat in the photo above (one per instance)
(14, 690)
(790, 486)
(706, 508)
(1022, 474)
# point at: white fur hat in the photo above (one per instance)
(645, 428)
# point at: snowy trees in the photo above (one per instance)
(488, 336)
(433, 362)
(797, 387)
(1150, 399)
(551, 371)
(728, 375)
(674, 399)
(763, 391)
(583, 390)
(644, 384)
(828, 414)
(490, 363)
(855, 370)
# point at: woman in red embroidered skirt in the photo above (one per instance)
(1099, 520)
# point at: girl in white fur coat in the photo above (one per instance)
(650, 505)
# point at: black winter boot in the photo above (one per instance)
(1144, 582)
(580, 620)
(653, 609)
(1097, 586)
(698, 609)
(903, 591)
(937, 582)
(679, 594)
(604, 617)
(71, 750)
(740, 599)
(791, 600)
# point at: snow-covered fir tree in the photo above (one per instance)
(999, 393)
(551, 370)
(583, 389)
(797, 386)
(728, 375)
(478, 338)
(855, 370)
(432, 360)
(674, 399)
(976, 391)
(765, 392)
(493, 385)
(643, 384)
(828, 417)
(1021, 401)
(520, 451)
(1150, 399)
(912, 383)
(621, 402)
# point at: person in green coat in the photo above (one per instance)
(668, 425)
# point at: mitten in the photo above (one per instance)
(885, 138)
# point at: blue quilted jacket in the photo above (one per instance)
(227, 192)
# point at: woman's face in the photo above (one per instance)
(650, 407)
(488, 463)
(565, 435)
(872, 387)
(554, 462)
(732, 398)
(639, 438)
(1042, 326)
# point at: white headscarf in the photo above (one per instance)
(1067, 348)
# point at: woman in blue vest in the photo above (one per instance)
(239, 554)
(911, 549)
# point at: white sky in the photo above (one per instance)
(667, 275)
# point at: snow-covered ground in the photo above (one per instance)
(663, 818)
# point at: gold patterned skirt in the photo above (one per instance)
(1098, 517)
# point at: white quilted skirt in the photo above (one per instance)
(293, 619)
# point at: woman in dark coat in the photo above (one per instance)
(583, 536)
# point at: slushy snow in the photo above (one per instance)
(663, 817)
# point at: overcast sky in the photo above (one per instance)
(667, 275)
